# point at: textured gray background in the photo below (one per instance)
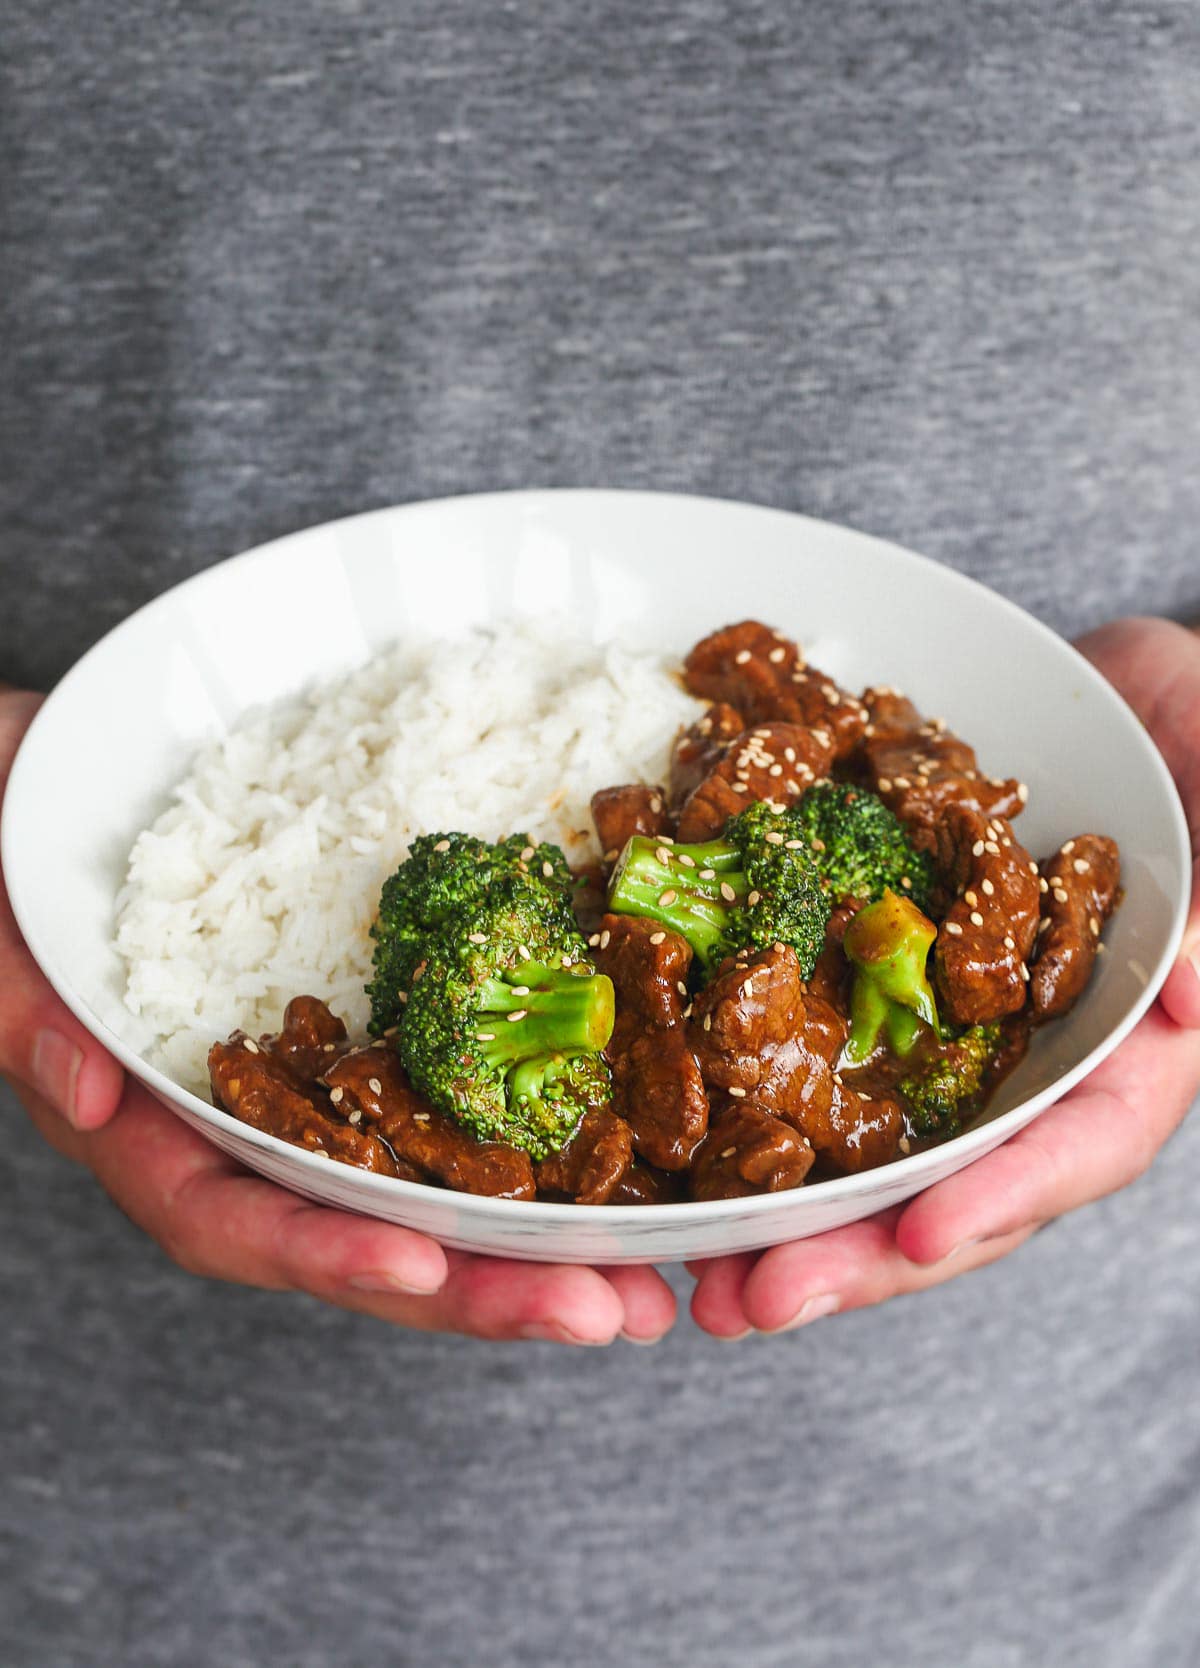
(928, 269)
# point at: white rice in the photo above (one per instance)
(261, 880)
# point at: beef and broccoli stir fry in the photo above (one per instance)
(819, 946)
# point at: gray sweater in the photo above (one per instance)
(928, 269)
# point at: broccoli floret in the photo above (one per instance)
(950, 1085)
(887, 943)
(860, 847)
(505, 1021)
(444, 874)
(754, 887)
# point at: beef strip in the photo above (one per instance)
(770, 1042)
(831, 975)
(698, 748)
(648, 967)
(593, 1161)
(918, 768)
(620, 813)
(708, 810)
(643, 1185)
(1082, 885)
(776, 762)
(763, 674)
(658, 1090)
(657, 1087)
(372, 1082)
(261, 1090)
(310, 1041)
(983, 945)
(746, 1152)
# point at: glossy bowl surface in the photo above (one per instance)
(661, 571)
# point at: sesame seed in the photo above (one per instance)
(1068, 848)
(593, 941)
(527, 854)
(1094, 925)
(525, 956)
(667, 898)
(517, 1013)
(375, 1086)
(681, 987)
(707, 874)
(906, 883)
(789, 754)
(740, 787)
(748, 987)
(421, 1117)
(1023, 792)
(971, 899)
(727, 892)
(754, 898)
(319, 1152)
(1043, 885)
(1024, 973)
(485, 1036)
(336, 1096)
(987, 888)
(708, 1022)
(442, 845)
(611, 855)
(329, 1047)
(666, 839)
(884, 785)
(729, 1152)
(953, 928)
(523, 990)
(477, 937)
(817, 845)
(976, 918)
(1043, 926)
(605, 936)
(903, 782)
(977, 849)
(1080, 865)
(402, 996)
(658, 937)
(742, 656)
(774, 837)
(1010, 942)
(548, 868)
(251, 1046)
(662, 854)
(685, 861)
(992, 847)
(905, 1144)
(656, 804)
(1033, 868)
(777, 655)
(356, 1118)
(1060, 894)
(739, 1094)
(792, 845)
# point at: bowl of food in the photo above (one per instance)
(461, 864)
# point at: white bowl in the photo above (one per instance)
(122, 726)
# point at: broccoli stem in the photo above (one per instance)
(887, 944)
(544, 1011)
(690, 889)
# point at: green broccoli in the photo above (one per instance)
(861, 849)
(443, 874)
(887, 944)
(506, 1018)
(754, 887)
(948, 1086)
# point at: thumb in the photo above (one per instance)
(42, 1044)
(1155, 665)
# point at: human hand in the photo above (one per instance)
(1097, 1139)
(216, 1219)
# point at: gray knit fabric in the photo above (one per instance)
(927, 269)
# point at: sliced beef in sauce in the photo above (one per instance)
(981, 957)
(593, 1161)
(1081, 887)
(643, 1185)
(260, 1090)
(620, 813)
(708, 810)
(775, 762)
(372, 1082)
(746, 1152)
(918, 768)
(310, 1040)
(698, 748)
(763, 675)
(648, 967)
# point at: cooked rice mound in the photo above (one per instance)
(261, 880)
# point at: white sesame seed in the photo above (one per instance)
(1010, 942)
(1043, 885)
(319, 1152)
(375, 1086)
(1080, 865)
(681, 987)
(485, 1036)
(336, 1096)
(1068, 848)
(971, 898)
(656, 804)
(728, 1152)
(251, 1046)
(329, 1047)
(667, 898)
(774, 837)
(523, 990)
(953, 928)
(356, 1117)
(442, 845)
(708, 1022)
(548, 868)
(906, 883)
(1094, 924)
(905, 1144)
(753, 898)
(707, 874)
(739, 1094)
(605, 938)
(748, 987)
(517, 1013)
(792, 845)
(1024, 972)
(594, 940)
(686, 861)
(662, 854)
(1060, 894)
(884, 785)
(777, 655)
(992, 847)
(658, 938)
(977, 849)
(421, 1117)
(477, 937)
(987, 888)
(1023, 792)
(976, 918)
(727, 892)
(742, 656)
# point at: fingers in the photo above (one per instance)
(1097, 1139)
(1155, 664)
(217, 1220)
(41, 1042)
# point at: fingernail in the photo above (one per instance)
(56, 1062)
(644, 1343)
(382, 1280)
(731, 1337)
(549, 1332)
(828, 1303)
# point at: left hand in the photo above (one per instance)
(1097, 1139)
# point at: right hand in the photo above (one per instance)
(215, 1218)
